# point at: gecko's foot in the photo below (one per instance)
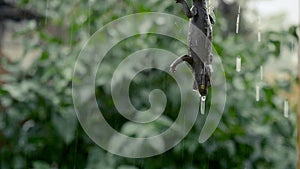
(172, 69)
(210, 68)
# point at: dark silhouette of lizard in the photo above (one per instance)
(199, 55)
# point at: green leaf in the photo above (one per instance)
(98, 159)
(40, 165)
(65, 124)
(127, 167)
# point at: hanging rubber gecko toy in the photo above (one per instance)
(199, 55)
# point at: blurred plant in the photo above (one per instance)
(39, 129)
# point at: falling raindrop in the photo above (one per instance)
(293, 47)
(259, 32)
(286, 109)
(261, 73)
(259, 36)
(47, 6)
(238, 64)
(89, 19)
(257, 93)
(75, 149)
(238, 20)
(208, 6)
(202, 108)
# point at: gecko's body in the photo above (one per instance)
(199, 54)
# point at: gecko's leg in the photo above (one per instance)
(209, 70)
(179, 60)
(212, 18)
(208, 64)
(186, 8)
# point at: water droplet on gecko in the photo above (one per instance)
(238, 64)
(238, 20)
(202, 106)
(257, 93)
(286, 109)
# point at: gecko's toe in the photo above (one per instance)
(172, 69)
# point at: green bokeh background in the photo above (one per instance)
(38, 124)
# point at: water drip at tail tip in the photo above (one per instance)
(202, 108)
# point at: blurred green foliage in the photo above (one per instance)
(39, 128)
